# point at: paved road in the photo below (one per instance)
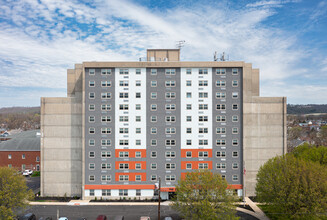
(33, 183)
(91, 212)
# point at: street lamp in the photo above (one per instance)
(158, 186)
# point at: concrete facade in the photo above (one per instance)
(109, 136)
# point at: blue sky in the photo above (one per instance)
(41, 39)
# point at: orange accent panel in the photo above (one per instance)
(195, 164)
(131, 176)
(131, 164)
(119, 187)
(195, 152)
(235, 186)
(167, 189)
(131, 152)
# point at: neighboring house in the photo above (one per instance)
(21, 151)
(124, 125)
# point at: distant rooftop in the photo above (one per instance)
(24, 141)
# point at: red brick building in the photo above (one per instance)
(21, 151)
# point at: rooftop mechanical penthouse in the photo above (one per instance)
(125, 124)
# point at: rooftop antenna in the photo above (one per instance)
(223, 57)
(215, 56)
(180, 44)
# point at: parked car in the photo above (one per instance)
(63, 218)
(27, 172)
(145, 218)
(168, 218)
(28, 216)
(119, 217)
(101, 217)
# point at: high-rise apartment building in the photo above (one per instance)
(125, 124)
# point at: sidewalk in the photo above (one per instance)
(258, 213)
(87, 202)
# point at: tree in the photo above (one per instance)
(204, 195)
(311, 153)
(13, 192)
(295, 187)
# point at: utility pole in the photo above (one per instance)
(159, 199)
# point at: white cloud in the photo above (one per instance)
(271, 3)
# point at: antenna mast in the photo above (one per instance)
(180, 44)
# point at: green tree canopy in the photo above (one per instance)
(311, 153)
(295, 187)
(13, 192)
(204, 195)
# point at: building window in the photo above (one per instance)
(123, 192)
(170, 83)
(203, 118)
(170, 177)
(170, 142)
(123, 154)
(123, 83)
(138, 130)
(203, 130)
(235, 106)
(137, 118)
(189, 130)
(91, 142)
(170, 166)
(153, 166)
(105, 118)
(235, 95)
(188, 142)
(188, 154)
(123, 71)
(106, 192)
(106, 107)
(91, 118)
(235, 154)
(170, 95)
(105, 71)
(220, 165)
(105, 95)
(91, 130)
(154, 83)
(105, 154)
(188, 166)
(188, 106)
(153, 142)
(138, 154)
(106, 178)
(235, 83)
(153, 118)
(203, 83)
(138, 166)
(91, 71)
(203, 95)
(123, 130)
(220, 71)
(138, 107)
(235, 165)
(221, 107)
(105, 83)
(203, 154)
(203, 166)
(153, 154)
(123, 142)
(23, 167)
(92, 190)
(188, 95)
(234, 71)
(220, 118)
(123, 118)
(235, 130)
(123, 107)
(138, 192)
(138, 142)
(105, 142)
(153, 107)
(153, 95)
(91, 178)
(203, 71)
(91, 166)
(9, 156)
(188, 71)
(170, 130)
(138, 83)
(138, 95)
(105, 130)
(220, 130)
(153, 130)
(91, 83)
(220, 83)
(37, 159)
(153, 178)
(91, 154)
(188, 83)
(138, 71)
(203, 106)
(220, 142)
(235, 178)
(221, 154)
(91, 107)
(105, 166)
(188, 118)
(235, 142)
(170, 118)
(170, 107)
(123, 95)
(91, 95)
(170, 72)
(37, 167)
(203, 142)
(123, 166)
(170, 154)
(123, 178)
(235, 118)
(220, 95)
(153, 72)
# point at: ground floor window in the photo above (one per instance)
(91, 192)
(106, 192)
(37, 167)
(123, 192)
(138, 192)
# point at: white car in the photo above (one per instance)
(63, 218)
(27, 172)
